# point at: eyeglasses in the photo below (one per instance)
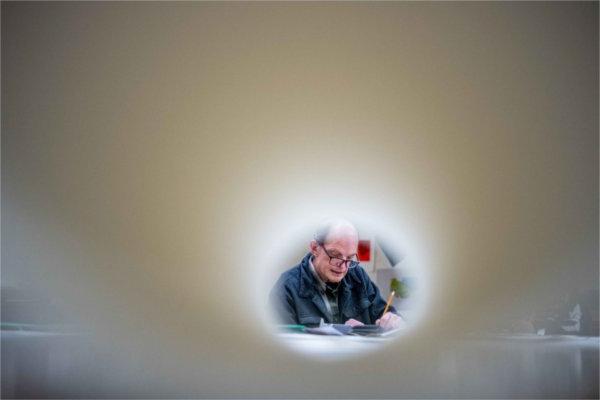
(336, 261)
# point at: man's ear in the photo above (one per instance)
(313, 247)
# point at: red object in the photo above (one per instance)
(364, 250)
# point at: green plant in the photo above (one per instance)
(399, 287)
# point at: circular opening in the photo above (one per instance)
(300, 300)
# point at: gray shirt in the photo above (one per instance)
(330, 297)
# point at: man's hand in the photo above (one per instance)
(390, 321)
(353, 322)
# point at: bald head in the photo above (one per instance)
(332, 229)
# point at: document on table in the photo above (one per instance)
(341, 329)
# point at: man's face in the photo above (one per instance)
(338, 244)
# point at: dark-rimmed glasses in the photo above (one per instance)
(336, 261)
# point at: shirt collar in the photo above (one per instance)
(322, 284)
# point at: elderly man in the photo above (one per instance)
(329, 283)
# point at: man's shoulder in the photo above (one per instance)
(291, 275)
(290, 278)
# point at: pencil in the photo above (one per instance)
(389, 302)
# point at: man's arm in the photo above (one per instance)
(391, 319)
(377, 302)
(282, 304)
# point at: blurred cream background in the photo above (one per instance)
(154, 155)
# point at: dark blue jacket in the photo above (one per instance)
(295, 298)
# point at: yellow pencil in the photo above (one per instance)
(389, 302)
